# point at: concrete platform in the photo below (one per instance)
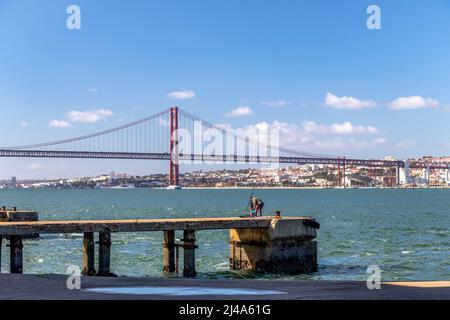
(16, 286)
(138, 225)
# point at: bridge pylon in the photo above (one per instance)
(174, 180)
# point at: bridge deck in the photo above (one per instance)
(47, 227)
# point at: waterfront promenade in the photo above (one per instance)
(17, 286)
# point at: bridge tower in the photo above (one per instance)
(341, 172)
(174, 181)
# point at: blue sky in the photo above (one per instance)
(313, 66)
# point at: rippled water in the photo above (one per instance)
(405, 232)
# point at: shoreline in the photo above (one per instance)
(305, 188)
(243, 188)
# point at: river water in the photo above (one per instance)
(405, 232)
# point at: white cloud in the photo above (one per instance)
(275, 104)
(59, 124)
(93, 90)
(91, 116)
(338, 128)
(24, 124)
(339, 143)
(181, 95)
(347, 103)
(406, 144)
(240, 112)
(297, 137)
(35, 166)
(413, 102)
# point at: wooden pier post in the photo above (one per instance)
(104, 255)
(169, 251)
(189, 253)
(88, 254)
(16, 254)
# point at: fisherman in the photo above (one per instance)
(256, 206)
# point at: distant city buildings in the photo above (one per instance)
(305, 176)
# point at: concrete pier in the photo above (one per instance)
(286, 246)
(269, 244)
(14, 215)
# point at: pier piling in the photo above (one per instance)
(169, 251)
(16, 254)
(88, 254)
(104, 255)
(189, 253)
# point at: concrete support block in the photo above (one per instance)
(286, 246)
(169, 251)
(88, 254)
(20, 216)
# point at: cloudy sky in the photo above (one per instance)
(309, 68)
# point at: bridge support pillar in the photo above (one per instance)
(189, 253)
(286, 246)
(169, 251)
(341, 172)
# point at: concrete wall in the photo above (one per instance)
(286, 246)
(20, 216)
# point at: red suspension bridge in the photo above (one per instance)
(180, 137)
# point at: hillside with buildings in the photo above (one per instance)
(307, 176)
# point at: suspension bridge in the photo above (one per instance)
(180, 137)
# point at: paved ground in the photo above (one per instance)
(14, 286)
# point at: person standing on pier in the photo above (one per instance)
(256, 206)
